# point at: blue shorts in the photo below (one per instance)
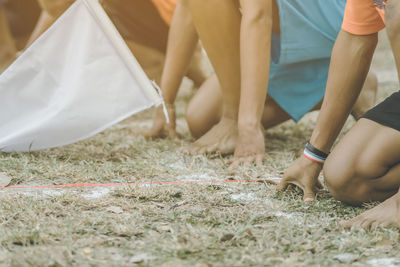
(301, 53)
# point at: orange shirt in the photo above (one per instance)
(166, 9)
(363, 17)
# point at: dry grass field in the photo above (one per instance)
(209, 224)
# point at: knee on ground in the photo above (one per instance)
(344, 180)
(194, 121)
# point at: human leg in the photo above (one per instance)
(203, 111)
(200, 68)
(385, 214)
(182, 42)
(364, 166)
(256, 26)
(388, 212)
(273, 114)
(350, 63)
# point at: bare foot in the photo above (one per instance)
(385, 214)
(250, 147)
(162, 129)
(221, 138)
(304, 174)
(367, 97)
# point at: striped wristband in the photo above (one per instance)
(314, 154)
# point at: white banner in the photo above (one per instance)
(76, 80)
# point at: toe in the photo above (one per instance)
(366, 224)
(375, 225)
(212, 148)
(348, 223)
(356, 221)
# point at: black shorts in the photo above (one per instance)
(386, 113)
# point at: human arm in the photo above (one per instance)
(255, 50)
(182, 42)
(350, 63)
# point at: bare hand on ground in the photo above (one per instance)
(304, 174)
(385, 214)
(221, 138)
(160, 128)
(250, 148)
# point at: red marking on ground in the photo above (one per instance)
(271, 180)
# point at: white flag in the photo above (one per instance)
(76, 80)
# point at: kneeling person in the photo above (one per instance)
(365, 165)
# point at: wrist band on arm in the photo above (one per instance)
(314, 154)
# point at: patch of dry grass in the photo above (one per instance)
(247, 224)
(185, 225)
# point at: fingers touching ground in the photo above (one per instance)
(160, 128)
(304, 174)
(245, 161)
(224, 138)
(250, 147)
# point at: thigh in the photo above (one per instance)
(205, 108)
(273, 114)
(369, 150)
(276, 27)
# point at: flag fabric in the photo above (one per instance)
(76, 80)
